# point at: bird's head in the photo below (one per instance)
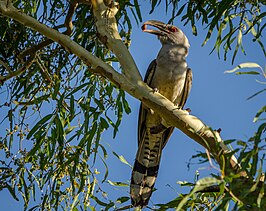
(166, 33)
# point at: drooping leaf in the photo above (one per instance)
(38, 125)
(117, 183)
(122, 159)
(244, 65)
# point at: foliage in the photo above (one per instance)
(56, 110)
(231, 19)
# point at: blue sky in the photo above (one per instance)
(218, 99)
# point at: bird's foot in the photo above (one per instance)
(188, 110)
(176, 105)
(155, 90)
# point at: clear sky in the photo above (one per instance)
(218, 99)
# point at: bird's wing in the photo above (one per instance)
(187, 88)
(143, 112)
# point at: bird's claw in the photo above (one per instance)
(155, 90)
(188, 110)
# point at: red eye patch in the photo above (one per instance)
(172, 29)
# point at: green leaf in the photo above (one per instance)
(12, 192)
(239, 43)
(104, 151)
(77, 89)
(119, 184)
(104, 123)
(106, 170)
(122, 159)
(99, 201)
(257, 93)
(263, 109)
(99, 103)
(89, 138)
(122, 199)
(39, 124)
(180, 10)
(72, 107)
(97, 141)
(136, 4)
(60, 130)
(153, 5)
(74, 203)
(56, 87)
(126, 106)
(200, 185)
(248, 73)
(185, 183)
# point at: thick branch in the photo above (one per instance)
(7, 9)
(190, 125)
(107, 27)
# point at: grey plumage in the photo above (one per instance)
(170, 75)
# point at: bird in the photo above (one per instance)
(169, 75)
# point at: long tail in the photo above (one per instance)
(145, 169)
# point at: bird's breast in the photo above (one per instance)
(169, 79)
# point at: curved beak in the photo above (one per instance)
(162, 27)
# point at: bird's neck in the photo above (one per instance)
(173, 53)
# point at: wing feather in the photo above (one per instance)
(143, 112)
(186, 90)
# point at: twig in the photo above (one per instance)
(210, 160)
(68, 24)
(21, 70)
(5, 66)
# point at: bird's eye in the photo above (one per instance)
(172, 29)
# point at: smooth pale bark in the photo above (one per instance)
(130, 80)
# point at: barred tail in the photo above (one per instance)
(145, 169)
(142, 183)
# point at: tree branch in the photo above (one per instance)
(107, 28)
(21, 70)
(68, 24)
(131, 81)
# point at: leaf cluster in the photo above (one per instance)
(226, 21)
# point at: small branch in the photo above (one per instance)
(21, 70)
(5, 66)
(68, 21)
(68, 24)
(210, 161)
(48, 80)
(32, 50)
(44, 71)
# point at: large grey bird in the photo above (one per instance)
(170, 76)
